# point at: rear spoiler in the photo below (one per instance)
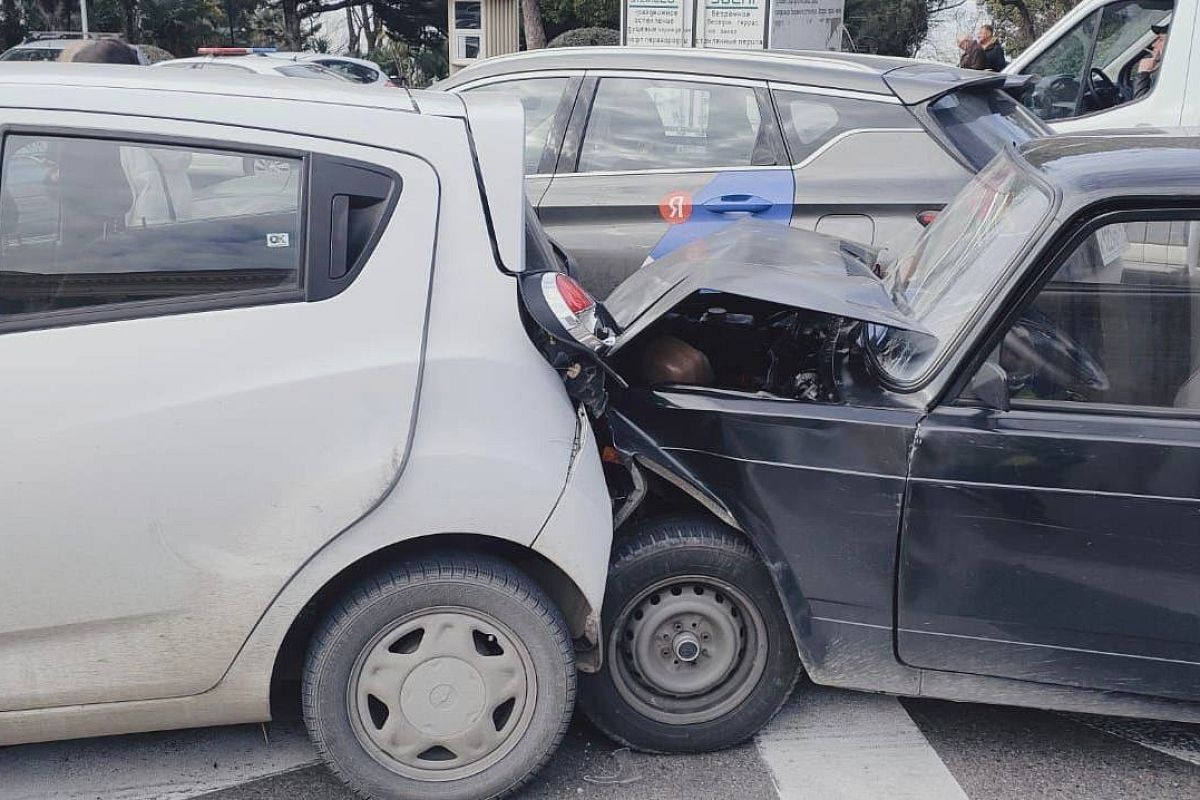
(925, 82)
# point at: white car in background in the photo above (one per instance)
(358, 70)
(285, 435)
(252, 60)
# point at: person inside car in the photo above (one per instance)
(993, 52)
(1147, 70)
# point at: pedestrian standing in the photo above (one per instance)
(993, 52)
(972, 54)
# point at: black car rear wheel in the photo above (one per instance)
(698, 651)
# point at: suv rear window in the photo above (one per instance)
(979, 124)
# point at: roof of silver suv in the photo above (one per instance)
(847, 71)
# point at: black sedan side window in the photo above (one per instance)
(1119, 323)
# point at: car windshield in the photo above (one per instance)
(946, 276)
(980, 124)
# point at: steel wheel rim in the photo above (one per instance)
(649, 646)
(442, 694)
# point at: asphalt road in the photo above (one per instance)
(826, 745)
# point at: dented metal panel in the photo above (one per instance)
(761, 261)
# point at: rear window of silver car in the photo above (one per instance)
(979, 124)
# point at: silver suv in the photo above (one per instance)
(631, 153)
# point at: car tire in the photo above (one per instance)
(444, 679)
(699, 653)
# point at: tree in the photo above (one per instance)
(1019, 22)
(887, 27)
(535, 33)
(560, 16)
(12, 23)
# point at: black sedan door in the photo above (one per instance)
(1059, 540)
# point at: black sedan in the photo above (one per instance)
(970, 472)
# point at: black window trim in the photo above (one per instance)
(144, 309)
(1084, 223)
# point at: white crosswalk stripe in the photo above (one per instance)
(839, 745)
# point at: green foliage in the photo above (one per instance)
(1019, 22)
(415, 67)
(180, 26)
(586, 37)
(560, 16)
(12, 23)
(888, 27)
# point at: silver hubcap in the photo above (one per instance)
(687, 650)
(442, 695)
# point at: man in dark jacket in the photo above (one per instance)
(993, 53)
(972, 54)
(1147, 71)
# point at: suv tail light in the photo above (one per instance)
(926, 217)
(576, 311)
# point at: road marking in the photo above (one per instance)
(1176, 739)
(159, 766)
(839, 745)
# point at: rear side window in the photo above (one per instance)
(87, 223)
(348, 69)
(640, 123)
(980, 124)
(812, 120)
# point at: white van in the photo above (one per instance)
(1087, 66)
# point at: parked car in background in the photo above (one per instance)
(358, 70)
(1086, 66)
(49, 45)
(246, 458)
(262, 61)
(632, 152)
(968, 472)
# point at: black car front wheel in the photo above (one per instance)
(699, 654)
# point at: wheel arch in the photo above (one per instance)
(558, 586)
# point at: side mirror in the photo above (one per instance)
(989, 386)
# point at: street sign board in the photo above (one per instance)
(733, 24)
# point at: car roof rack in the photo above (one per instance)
(38, 36)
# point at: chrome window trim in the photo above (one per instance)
(890, 99)
(694, 170)
(666, 171)
(686, 77)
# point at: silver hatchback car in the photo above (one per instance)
(631, 153)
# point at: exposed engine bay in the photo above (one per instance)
(726, 341)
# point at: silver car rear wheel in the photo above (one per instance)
(448, 678)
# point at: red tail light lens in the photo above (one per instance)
(574, 295)
(926, 218)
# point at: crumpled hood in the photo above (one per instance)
(762, 261)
